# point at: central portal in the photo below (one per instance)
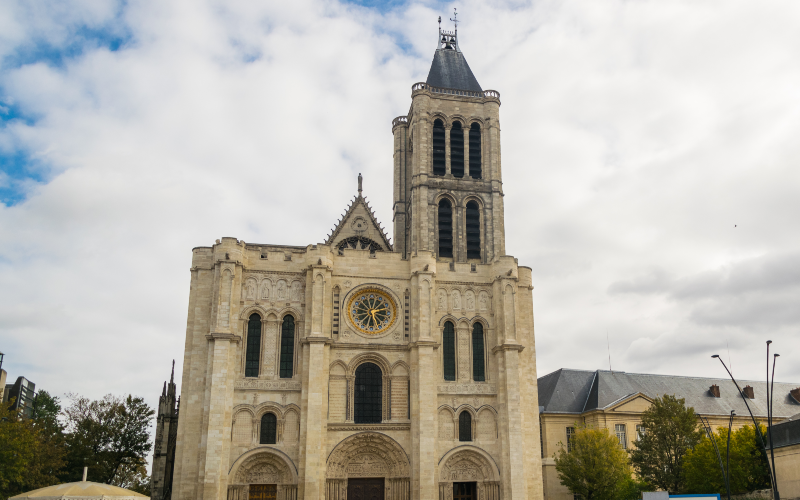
(464, 491)
(365, 489)
(263, 492)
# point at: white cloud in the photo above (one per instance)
(635, 136)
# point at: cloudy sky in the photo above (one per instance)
(650, 156)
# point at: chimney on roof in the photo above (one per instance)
(748, 391)
(714, 390)
(795, 394)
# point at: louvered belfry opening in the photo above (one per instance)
(473, 223)
(438, 148)
(465, 426)
(368, 394)
(449, 351)
(445, 229)
(287, 347)
(478, 363)
(252, 358)
(457, 150)
(269, 429)
(475, 151)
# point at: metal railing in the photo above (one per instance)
(465, 93)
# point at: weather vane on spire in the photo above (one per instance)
(455, 18)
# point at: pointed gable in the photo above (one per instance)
(359, 229)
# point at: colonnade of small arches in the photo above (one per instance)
(464, 161)
(461, 359)
(267, 423)
(265, 356)
(467, 424)
(368, 390)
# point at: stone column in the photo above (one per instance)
(423, 393)
(222, 351)
(314, 395)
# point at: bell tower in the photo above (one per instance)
(448, 191)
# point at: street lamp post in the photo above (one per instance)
(728, 455)
(776, 496)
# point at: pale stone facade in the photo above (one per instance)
(616, 401)
(319, 447)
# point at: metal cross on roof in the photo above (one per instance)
(455, 18)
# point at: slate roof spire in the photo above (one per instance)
(449, 68)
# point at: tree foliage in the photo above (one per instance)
(670, 432)
(110, 436)
(31, 450)
(596, 468)
(749, 470)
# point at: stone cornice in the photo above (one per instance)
(507, 347)
(316, 340)
(377, 347)
(224, 336)
(383, 426)
(425, 343)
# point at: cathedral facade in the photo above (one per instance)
(360, 368)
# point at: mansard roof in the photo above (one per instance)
(579, 391)
(359, 221)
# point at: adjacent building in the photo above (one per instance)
(21, 393)
(616, 400)
(786, 436)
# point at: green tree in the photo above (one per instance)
(749, 470)
(670, 432)
(111, 437)
(31, 450)
(596, 467)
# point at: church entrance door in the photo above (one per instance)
(465, 491)
(365, 489)
(263, 492)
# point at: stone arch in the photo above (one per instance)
(469, 463)
(369, 454)
(446, 423)
(369, 357)
(487, 424)
(473, 197)
(446, 196)
(242, 426)
(400, 368)
(289, 432)
(262, 465)
(268, 407)
(254, 308)
(338, 368)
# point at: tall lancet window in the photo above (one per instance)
(287, 347)
(449, 351)
(438, 148)
(252, 355)
(457, 150)
(478, 368)
(445, 229)
(269, 429)
(475, 151)
(465, 426)
(368, 392)
(473, 228)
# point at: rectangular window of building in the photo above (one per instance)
(621, 436)
(570, 433)
(639, 431)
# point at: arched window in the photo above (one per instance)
(438, 148)
(465, 426)
(475, 151)
(287, 347)
(252, 355)
(368, 394)
(269, 429)
(445, 229)
(478, 368)
(473, 223)
(457, 150)
(449, 351)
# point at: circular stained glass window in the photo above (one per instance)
(372, 311)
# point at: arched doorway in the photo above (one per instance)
(368, 466)
(262, 474)
(467, 472)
